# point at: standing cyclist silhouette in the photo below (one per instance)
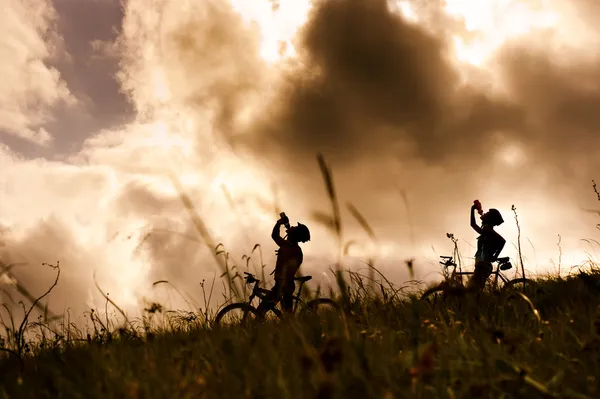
(289, 259)
(489, 245)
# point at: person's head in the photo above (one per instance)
(492, 218)
(299, 233)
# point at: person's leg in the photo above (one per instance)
(483, 270)
(288, 297)
(269, 301)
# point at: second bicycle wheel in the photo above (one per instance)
(323, 311)
(321, 306)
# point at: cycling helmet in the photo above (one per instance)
(301, 233)
(495, 217)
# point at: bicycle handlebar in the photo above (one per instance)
(250, 278)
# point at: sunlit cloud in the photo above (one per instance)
(494, 22)
(278, 23)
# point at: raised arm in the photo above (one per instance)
(473, 222)
(276, 234)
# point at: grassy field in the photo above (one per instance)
(539, 343)
(385, 346)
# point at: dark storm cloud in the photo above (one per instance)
(561, 98)
(370, 80)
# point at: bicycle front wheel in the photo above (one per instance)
(520, 284)
(444, 291)
(434, 294)
(236, 314)
(320, 306)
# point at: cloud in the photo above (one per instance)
(560, 96)
(385, 102)
(370, 82)
(30, 88)
(199, 59)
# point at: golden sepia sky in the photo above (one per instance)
(448, 100)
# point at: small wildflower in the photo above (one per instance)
(331, 354)
(200, 380)
(134, 387)
(426, 363)
(498, 336)
(306, 363)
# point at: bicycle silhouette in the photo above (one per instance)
(244, 312)
(454, 281)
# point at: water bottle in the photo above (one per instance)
(478, 207)
(285, 220)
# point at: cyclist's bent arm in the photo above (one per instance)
(473, 222)
(501, 243)
(276, 234)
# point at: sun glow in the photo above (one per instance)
(493, 22)
(511, 155)
(488, 24)
(278, 24)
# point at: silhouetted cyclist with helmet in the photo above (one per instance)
(289, 259)
(489, 245)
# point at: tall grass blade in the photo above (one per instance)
(202, 229)
(371, 233)
(336, 216)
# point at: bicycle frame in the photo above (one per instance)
(297, 298)
(260, 293)
(500, 263)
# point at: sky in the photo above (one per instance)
(418, 108)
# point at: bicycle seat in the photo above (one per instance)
(503, 260)
(506, 266)
(302, 279)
